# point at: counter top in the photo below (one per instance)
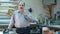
(11, 32)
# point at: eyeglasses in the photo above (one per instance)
(21, 5)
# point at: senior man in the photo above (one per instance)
(21, 19)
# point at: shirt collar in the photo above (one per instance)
(19, 11)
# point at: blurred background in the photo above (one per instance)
(46, 13)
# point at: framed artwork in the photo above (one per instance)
(49, 2)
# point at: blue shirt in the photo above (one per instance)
(19, 20)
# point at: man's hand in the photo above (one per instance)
(6, 30)
(24, 13)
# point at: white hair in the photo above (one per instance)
(21, 2)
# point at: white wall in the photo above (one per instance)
(57, 7)
(36, 5)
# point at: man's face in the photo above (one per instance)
(21, 6)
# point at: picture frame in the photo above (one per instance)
(53, 2)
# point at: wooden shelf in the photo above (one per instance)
(9, 1)
(9, 6)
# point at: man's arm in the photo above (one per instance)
(11, 22)
(28, 16)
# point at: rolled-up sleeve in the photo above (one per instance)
(29, 17)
